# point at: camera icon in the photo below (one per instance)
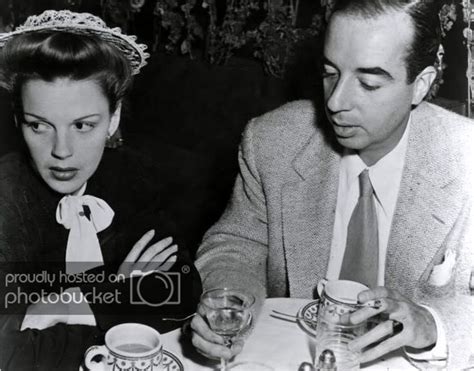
(155, 288)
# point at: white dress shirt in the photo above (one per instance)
(385, 176)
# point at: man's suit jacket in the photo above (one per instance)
(274, 238)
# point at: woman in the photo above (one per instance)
(73, 212)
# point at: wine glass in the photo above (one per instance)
(228, 312)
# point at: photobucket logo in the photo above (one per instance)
(155, 288)
(19, 297)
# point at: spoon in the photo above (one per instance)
(293, 316)
(178, 319)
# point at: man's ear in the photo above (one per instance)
(423, 83)
(115, 120)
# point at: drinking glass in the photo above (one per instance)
(227, 312)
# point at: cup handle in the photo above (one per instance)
(321, 285)
(91, 353)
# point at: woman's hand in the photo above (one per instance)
(159, 256)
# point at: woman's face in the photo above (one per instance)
(65, 126)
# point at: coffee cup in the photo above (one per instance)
(333, 331)
(128, 346)
(339, 296)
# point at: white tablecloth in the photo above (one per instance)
(279, 344)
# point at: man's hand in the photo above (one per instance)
(209, 343)
(418, 325)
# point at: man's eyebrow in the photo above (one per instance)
(375, 71)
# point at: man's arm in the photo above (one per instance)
(451, 299)
(234, 251)
(448, 297)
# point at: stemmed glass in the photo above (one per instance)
(227, 312)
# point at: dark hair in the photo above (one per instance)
(50, 55)
(424, 15)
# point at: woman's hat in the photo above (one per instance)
(83, 24)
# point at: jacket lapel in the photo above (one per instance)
(308, 207)
(426, 209)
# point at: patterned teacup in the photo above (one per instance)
(338, 297)
(129, 346)
(333, 332)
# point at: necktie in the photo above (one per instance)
(361, 257)
(84, 216)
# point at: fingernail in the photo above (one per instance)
(151, 231)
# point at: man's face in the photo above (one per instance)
(368, 100)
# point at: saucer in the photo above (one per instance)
(308, 317)
(170, 362)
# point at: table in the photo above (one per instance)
(278, 343)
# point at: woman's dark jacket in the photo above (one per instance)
(32, 241)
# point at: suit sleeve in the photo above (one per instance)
(452, 300)
(234, 251)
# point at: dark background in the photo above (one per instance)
(188, 115)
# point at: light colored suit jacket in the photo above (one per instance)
(274, 238)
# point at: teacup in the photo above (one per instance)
(129, 346)
(334, 332)
(338, 297)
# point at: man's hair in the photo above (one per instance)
(51, 55)
(424, 15)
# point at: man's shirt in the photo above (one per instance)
(385, 176)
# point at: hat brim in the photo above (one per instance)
(135, 53)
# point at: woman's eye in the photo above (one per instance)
(83, 126)
(326, 74)
(37, 127)
(328, 71)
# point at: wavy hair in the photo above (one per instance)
(51, 55)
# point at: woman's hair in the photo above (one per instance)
(50, 55)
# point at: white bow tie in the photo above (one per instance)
(84, 216)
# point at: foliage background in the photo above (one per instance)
(212, 70)
(270, 31)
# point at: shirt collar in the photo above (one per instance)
(383, 174)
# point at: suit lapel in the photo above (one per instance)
(308, 207)
(426, 210)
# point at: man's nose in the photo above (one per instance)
(62, 146)
(340, 97)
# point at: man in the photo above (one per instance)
(290, 220)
